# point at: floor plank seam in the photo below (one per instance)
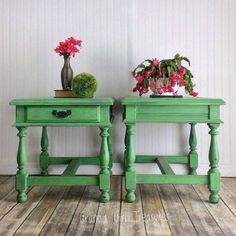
(54, 210)
(141, 197)
(164, 209)
(204, 202)
(121, 194)
(5, 179)
(227, 206)
(12, 191)
(95, 219)
(30, 211)
(74, 211)
(13, 185)
(228, 189)
(186, 209)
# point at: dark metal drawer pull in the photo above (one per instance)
(61, 114)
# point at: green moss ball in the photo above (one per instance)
(84, 85)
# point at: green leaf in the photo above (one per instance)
(148, 60)
(141, 66)
(177, 56)
(145, 83)
(186, 59)
(169, 71)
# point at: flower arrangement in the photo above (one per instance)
(163, 77)
(69, 47)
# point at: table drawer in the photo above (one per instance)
(57, 114)
(172, 113)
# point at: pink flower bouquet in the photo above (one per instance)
(69, 47)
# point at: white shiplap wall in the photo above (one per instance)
(117, 35)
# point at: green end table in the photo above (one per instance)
(172, 110)
(59, 112)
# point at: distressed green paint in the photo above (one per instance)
(20, 114)
(62, 181)
(171, 179)
(71, 168)
(169, 110)
(125, 151)
(172, 110)
(164, 166)
(104, 176)
(21, 176)
(169, 159)
(193, 156)
(214, 174)
(59, 124)
(110, 150)
(67, 160)
(63, 102)
(44, 152)
(83, 112)
(130, 160)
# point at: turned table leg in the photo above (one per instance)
(213, 173)
(130, 174)
(21, 176)
(125, 151)
(44, 152)
(104, 175)
(110, 150)
(192, 156)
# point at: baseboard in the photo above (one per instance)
(225, 170)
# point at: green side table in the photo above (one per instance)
(172, 110)
(59, 112)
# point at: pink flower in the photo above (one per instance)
(161, 90)
(181, 82)
(69, 47)
(173, 83)
(139, 78)
(143, 91)
(155, 62)
(75, 41)
(169, 89)
(194, 94)
(135, 89)
(181, 71)
(140, 89)
(159, 72)
(153, 86)
(149, 73)
(174, 78)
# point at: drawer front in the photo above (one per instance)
(61, 114)
(172, 113)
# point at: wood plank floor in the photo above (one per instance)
(158, 210)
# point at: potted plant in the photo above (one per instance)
(163, 77)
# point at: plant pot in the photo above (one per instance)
(160, 84)
(165, 96)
